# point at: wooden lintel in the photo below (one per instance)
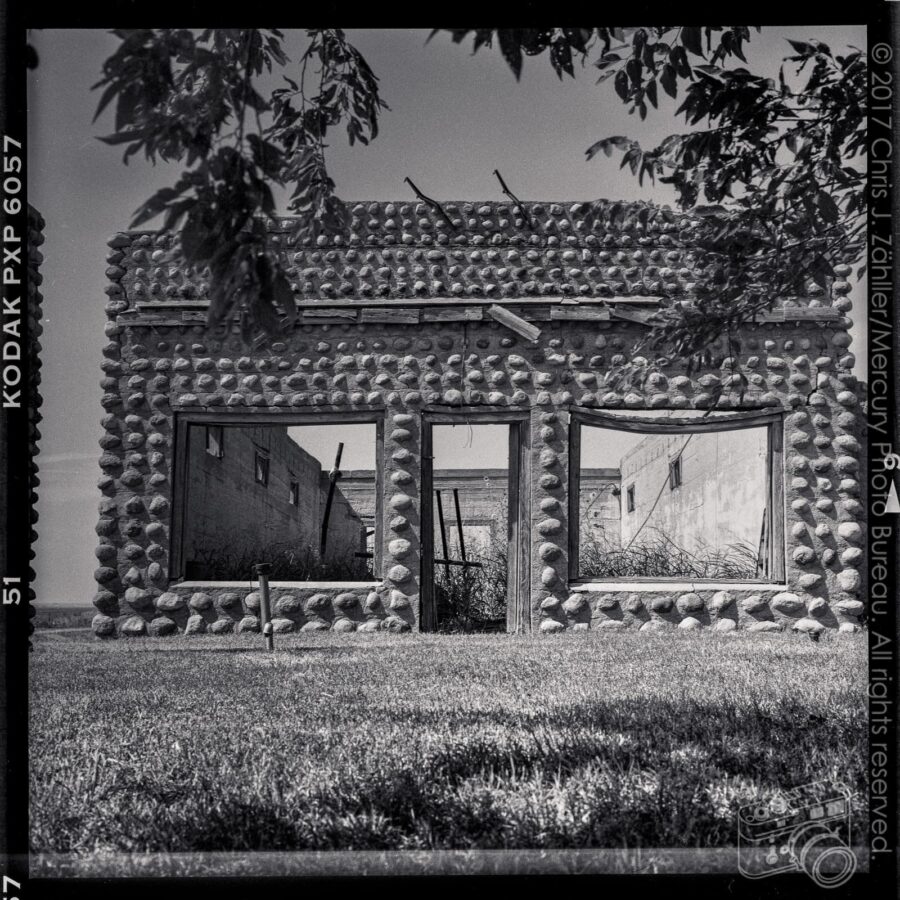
(138, 321)
(391, 316)
(823, 313)
(593, 313)
(327, 313)
(640, 316)
(513, 322)
(449, 314)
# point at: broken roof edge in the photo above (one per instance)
(492, 216)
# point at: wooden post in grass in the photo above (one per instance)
(262, 573)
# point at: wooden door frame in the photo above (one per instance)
(518, 616)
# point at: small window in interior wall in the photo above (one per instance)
(261, 469)
(294, 494)
(630, 498)
(674, 473)
(215, 444)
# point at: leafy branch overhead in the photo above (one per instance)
(777, 163)
(195, 97)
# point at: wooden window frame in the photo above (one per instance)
(182, 420)
(773, 420)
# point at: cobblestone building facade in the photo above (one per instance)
(497, 313)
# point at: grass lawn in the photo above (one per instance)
(423, 742)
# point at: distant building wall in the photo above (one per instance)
(721, 499)
(483, 503)
(230, 512)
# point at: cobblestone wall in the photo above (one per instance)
(397, 364)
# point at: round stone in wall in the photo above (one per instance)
(787, 603)
(850, 531)
(248, 624)
(688, 603)
(103, 626)
(169, 602)
(317, 603)
(605, 602)
(850, 607)
(133, 626)
(817, 607)
(399, 574)
(849, 580)
(106, 602)
(551, 626)
(809, 626)
(575, 604)
(138, 598)
(222, 626)
(766, 625)
(162, 626)
(395, 624)
(346, 601)
(399, 547)
(288, 604)
(195, 625)
(228, 600)
(200, 601)
(549, 552)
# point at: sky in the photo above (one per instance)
(453, 119)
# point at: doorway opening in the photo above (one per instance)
(472, 550)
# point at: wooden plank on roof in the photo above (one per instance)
(636, 299)
(513, 322)
(139, 321)
(346, 315)
(593, 313)
(822, 313)
(640, 316)
(449, 314)
(391, 316)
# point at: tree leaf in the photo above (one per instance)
(692, 39)
(668, 80)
